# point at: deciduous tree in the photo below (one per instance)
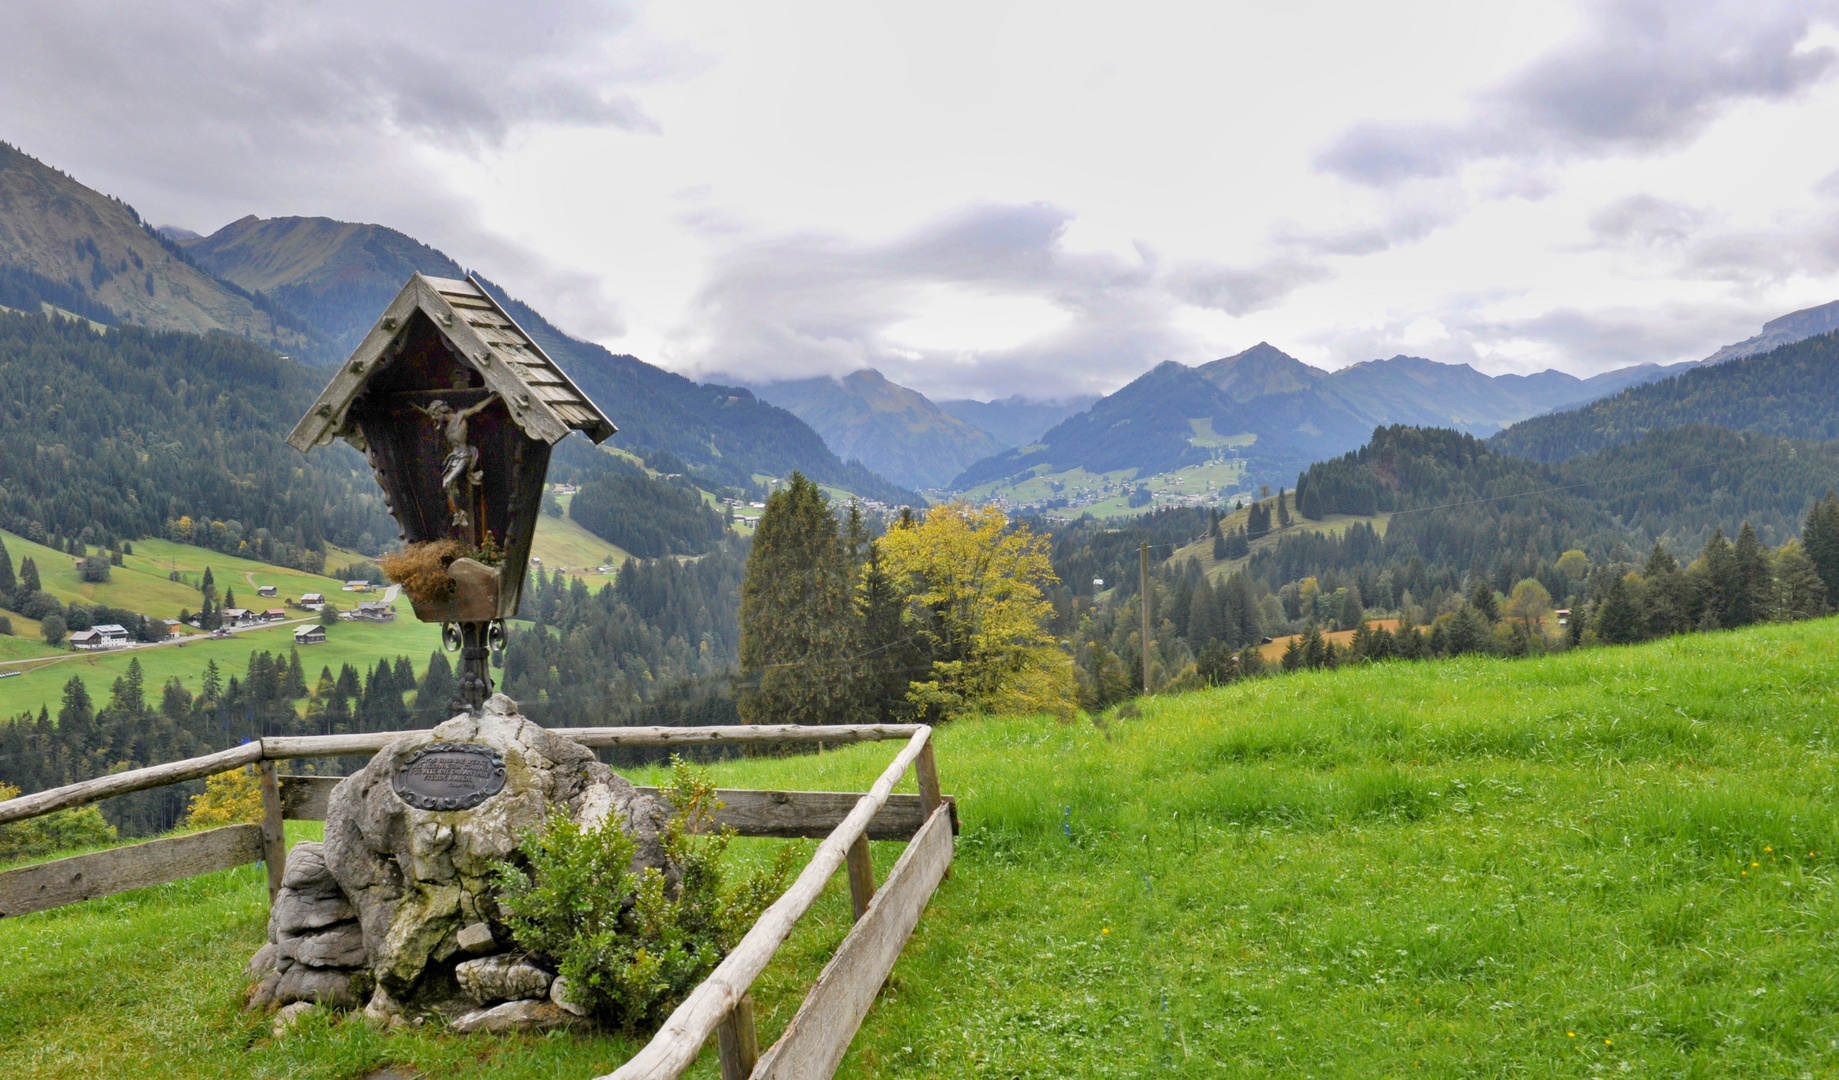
(976, 590)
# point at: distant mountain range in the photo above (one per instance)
(1175, 416)
(1792, 327)
(895, 431)
(1791, 391)
(312, 287)
(1016, 421)
(905, 436)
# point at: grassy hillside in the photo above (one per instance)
(57, 229)
(1107, 495)
(143, 582)
(359, 644)
(1608, 861)
(1219, 569)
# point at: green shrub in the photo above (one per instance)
(632, 949)
(78, 827)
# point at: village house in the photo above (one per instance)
(267, 590)
(357, 586)
(238, 616)
(373, 611)
(313, 601)
(309, 635)
(106, 636)
(275, 614)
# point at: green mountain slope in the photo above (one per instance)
(1791, 391)
(126, 432)
(53, 227)
(337, 274)
(895, 431)
(1288, 412)
(341, 275)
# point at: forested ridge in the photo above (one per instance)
(1792, 391)
(135, 432)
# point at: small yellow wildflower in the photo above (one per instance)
(1755, 864)
(1571, 1034)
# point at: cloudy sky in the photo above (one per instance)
(991, 198)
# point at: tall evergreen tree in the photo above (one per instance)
(1799, 592)
(8, 582)
(1283, 511)
(28, 576)
(1820, 538)
(1755, 593)
(1717, 581)
(1485, 603)
(800, 632)
(435, 690)
(1618, 621)
(891, 656)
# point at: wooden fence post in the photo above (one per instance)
(926, 771)
(737, 1042)
(861, 876)
(274, 836)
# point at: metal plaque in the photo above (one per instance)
(449, 776)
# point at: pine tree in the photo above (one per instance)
(210, 687)
(1257, 521)
(28, 577)
(800, 631)
(209, 584)
(1203, 617)
(1799, 592)
(76, 722)
(1485, 603)
(294, 685)
(1283, 512)
(432, 694)
(1470, 631)
(1820, 538)
(1618, 622)
(1715, 575)
(891, 657)
(1668, 594)
(8, 582)
(1754, 595)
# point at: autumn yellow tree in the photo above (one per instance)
(976, 592)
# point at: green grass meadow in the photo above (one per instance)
(360, 644)
(1613, 862)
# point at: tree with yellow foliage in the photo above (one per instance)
(229, 798)
(975, 590)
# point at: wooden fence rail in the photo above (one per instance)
(818, 1036)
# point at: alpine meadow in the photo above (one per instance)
(637, 542)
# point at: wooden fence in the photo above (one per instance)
(815, 1041)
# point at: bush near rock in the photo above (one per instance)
(397, 910)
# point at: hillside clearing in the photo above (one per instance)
(1610, 860)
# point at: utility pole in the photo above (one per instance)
(1143, 561)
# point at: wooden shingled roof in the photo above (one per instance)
(543, 401)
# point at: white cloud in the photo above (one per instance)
(1006, 196)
